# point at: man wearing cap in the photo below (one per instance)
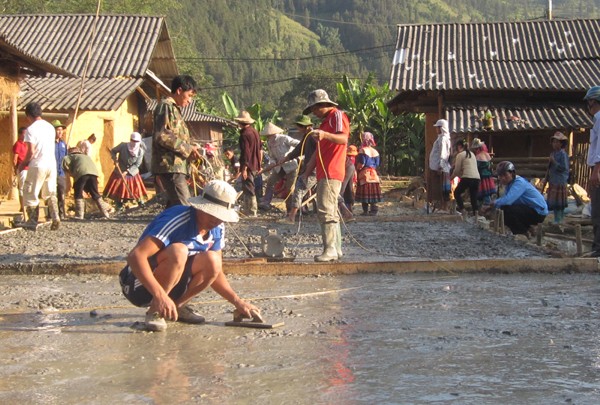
(523, 205)
(303, 151)
(41, 174)
(179, 255)
(329, 160)
(438, 181)
(279, 146)
(592, 99)
(250, 160)
(171, 143)
(125, 182)
(60, 151)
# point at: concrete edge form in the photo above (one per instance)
(262, 267)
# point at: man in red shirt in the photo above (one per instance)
(20, 152)
(330, 160)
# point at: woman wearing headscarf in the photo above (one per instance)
(368, 189)
(557, 177)
(125, 182)
(487, 185)
(438, 181)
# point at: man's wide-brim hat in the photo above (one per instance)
(58, 124)
(318, 96)
(271, 129)
(244, 118)
(217, 199)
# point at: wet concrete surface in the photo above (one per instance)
(366, 338)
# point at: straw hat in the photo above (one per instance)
(217, 199)
(559, 136)
(352, 150)
(271, 129)
(318, 96)
(244, 118)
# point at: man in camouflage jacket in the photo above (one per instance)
(171, 144)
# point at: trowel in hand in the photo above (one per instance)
(256, 321)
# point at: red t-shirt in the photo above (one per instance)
(20, 149)
(333, 154)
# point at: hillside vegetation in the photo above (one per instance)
(273, 52)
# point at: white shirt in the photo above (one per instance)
(41, 135)
(594, 151)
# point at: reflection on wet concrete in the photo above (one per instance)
(472, 339)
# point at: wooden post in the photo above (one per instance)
(538, 234)
(501, 222)
(14, 129)
(578, 239)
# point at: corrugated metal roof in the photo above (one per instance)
(536, 55)
(191, 114)
(124, 45)
(36, 65)
(467, 119)
(60, 93)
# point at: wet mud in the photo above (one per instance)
(381, 339)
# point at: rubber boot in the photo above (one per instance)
(338, 240)
(79, 208)
(103, 207)
(33, 214)
(328, 232)
(253, 205)
(54, 214)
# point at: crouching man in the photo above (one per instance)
(523, 205)
(179, 255)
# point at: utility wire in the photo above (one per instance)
(361, 24)
(224, 59)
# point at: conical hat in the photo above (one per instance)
(271, 129)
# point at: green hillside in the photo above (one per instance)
(273, 52)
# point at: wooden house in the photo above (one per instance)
(511, 84)
(116, 62)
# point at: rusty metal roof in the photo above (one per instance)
(468, 118)
(191, 114)
(124, 49)
(531, 55)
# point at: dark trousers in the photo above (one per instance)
(176, 187)
(61, 187)
(519, 218)
(466, 184)
(87, 183)
(249, 186)
(595, 197)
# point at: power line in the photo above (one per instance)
(337, 22)
(224, 59)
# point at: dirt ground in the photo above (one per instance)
(363, 338)
(399, 232)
